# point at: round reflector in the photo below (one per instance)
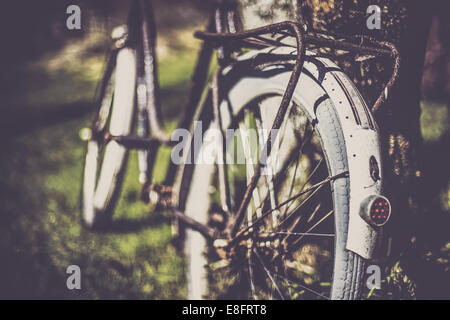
(375, 210)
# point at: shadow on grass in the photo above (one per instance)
(28, 119)
(40, 233)
(26, 271)
(124, 225)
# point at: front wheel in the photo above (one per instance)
(298, 250)
(105, 162)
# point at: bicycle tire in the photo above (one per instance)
(104, 170)
(348, 266)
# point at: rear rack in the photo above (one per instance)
(282, 34)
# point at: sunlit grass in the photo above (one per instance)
(435, 120)
(46, 170)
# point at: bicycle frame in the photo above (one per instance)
(222, 34)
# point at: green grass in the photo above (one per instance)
(435, 123)
(40, 228)
(434, 120)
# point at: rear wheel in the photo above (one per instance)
(105, 161)
(297, 250)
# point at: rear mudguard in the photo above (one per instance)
(360, 132)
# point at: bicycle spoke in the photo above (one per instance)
(298, 221)
(289, 160)
(300, 153)
(292, 185)
(268, 274)
(312, 228)
(301, 286)
(249, 171)
(294, 212)
(307, 199)
(306, 234)
(250, 271)
(269, 175)
(284, 168)
(241, 233)
(312, 173)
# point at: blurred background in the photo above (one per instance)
(48, 81)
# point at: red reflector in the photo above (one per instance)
(379, 211)
(375, 210)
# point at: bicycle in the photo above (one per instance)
(317, 156)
